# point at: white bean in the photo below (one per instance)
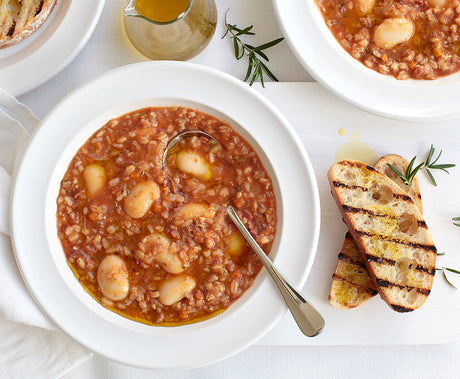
(193, 164)
(197, 210)
(365, 6)
(175, 289)
(113, 278)
(236, 243)
(159, 246)
(392, 32)
(95, 177)
(141, 198)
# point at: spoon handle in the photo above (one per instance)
(308, 319)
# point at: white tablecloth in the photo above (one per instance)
(108, 48)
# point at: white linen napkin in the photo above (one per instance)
(30, 344)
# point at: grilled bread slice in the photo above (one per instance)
(389, 231)
(20, 18)
(351, 285)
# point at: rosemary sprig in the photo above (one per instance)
(429, 164)
(256, 67)
(444, 269)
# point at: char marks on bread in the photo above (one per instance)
(351, 285)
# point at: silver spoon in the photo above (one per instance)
(183, 135)
(310, 322)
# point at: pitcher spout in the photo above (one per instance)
(130, 9)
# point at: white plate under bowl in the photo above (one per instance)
(33, 213)
(36, 59)
(320, 53)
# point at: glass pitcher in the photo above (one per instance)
(180, 38)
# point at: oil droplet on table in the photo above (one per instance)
(355, 149)
(342, 132)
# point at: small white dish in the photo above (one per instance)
(33, 213)
(320, 54)
(36, 59)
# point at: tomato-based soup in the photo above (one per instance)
(408, 39)
(153, 241)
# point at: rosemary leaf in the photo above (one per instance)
(268, 72)
(409, 167)
(428, 163)
(430, 154)
(444, 269)
(447, 280)
(248, 72)
(261, 77)
(268, 44)
(237, 49)
(254, 69)
(442, 166)
(431, 177)
(260, 73)
(414, 172)
(452, 270)
(262, 54)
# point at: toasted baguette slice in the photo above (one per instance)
(351, 285)
(389, 231)
(20, 18)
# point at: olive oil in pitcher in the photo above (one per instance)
(171, 29)
(161, 10)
